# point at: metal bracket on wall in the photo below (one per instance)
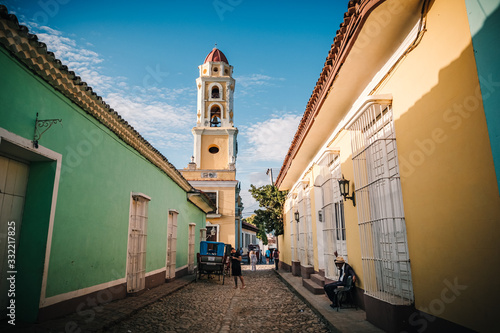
(42, 126)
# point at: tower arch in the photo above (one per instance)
(216, 115)
(215, 91)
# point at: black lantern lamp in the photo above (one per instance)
(344, 190)
(297, 216)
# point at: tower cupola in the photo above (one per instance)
(215, 134)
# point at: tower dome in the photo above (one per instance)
(216, 55)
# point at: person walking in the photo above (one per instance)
(253, 260)
(276, 256)
(236, 268)
(268, 254)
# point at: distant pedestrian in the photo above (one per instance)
(268, 254)
(276, 256)
(261, 257)
(253, 260)
(236, 268)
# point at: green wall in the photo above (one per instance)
(98, 174)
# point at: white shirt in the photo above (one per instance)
(342, 272)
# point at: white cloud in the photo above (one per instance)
(152, 110)
(254, 80)
(164, 125)
(269, 140)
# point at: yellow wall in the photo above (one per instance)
(451, 200)
(214, 161)
(226, 204)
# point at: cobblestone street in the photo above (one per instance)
(265, 305)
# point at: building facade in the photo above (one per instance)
(403, 110)
(213, 165)
(95, 212)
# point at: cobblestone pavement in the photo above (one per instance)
(265, 305)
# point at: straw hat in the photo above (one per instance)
(339, 260)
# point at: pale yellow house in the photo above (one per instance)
(399, 111)
(213, 165)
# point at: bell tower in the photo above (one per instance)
(213, 164)
(215, 145)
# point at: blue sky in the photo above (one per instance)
(142, 57)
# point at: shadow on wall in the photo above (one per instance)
(444, 152)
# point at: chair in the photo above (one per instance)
(345, 294)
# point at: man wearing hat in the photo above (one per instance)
(345, 272)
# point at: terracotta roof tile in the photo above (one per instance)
(357, 10)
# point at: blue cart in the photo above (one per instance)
(212, 259)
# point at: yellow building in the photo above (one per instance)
(398, 110)
(213, 165)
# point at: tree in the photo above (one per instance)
(272, 200)
(261, 234)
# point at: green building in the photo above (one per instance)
(92, 210)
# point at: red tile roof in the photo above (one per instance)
(354, 17)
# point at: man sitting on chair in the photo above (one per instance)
(345, 272)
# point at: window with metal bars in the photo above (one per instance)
(379, 202)
(136, 261)
(304, 226)
(293, 226)
(335, 243)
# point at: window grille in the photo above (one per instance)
(333, 208)
(171, 244)
(308, 221)
(191, 242)
(246, 240)
(302, 231)
(136, 270)
(293, 233)
(379, 202)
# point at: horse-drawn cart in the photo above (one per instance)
(212, 259)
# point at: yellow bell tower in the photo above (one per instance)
(213, 164)
(215, 144)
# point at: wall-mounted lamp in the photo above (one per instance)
(320, 215)
(297, 216)
(344, 190)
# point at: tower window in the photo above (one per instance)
(215, 92)
(215, 69)
(215, 116)
(213, 150)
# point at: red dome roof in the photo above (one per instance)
(216, 55)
